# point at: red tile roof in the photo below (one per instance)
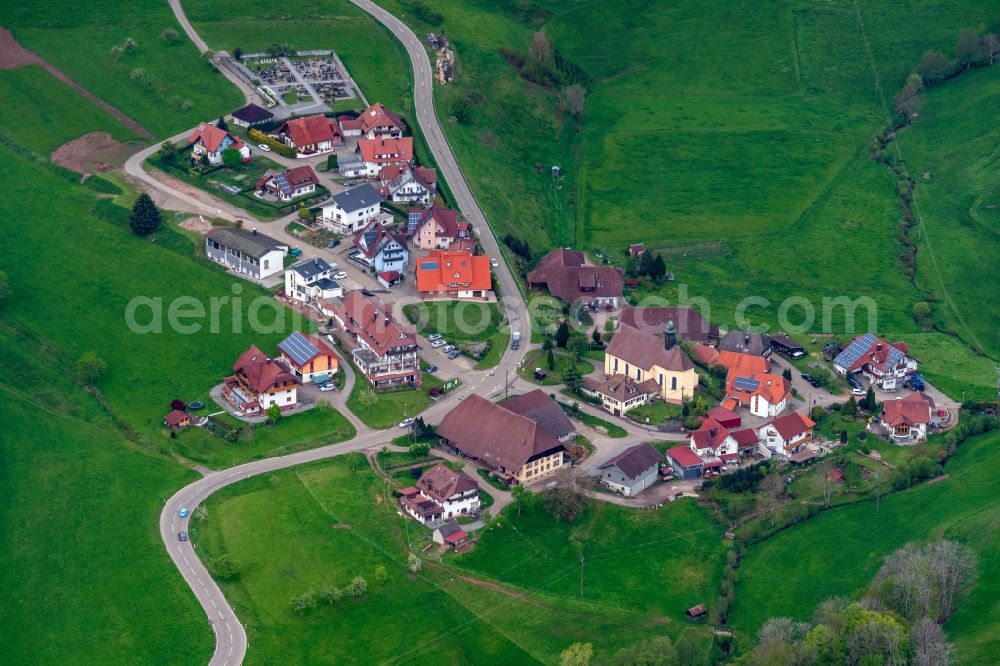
(567, 277)
(212, 137)
(723, 415)
(366, 318)
(442, 482)
(792, 425)
(175, 418)
(260, 372)
(745, 438)
(443, 270)
(446, 219)
(310, 131)
(710, 435)
(684, 456)
(643, 350)
(386, 150)
(371, 118)
(911, 410)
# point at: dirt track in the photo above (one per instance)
(14, 56)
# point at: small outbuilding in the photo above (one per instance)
(633, 470)
(449, 534)
(177, 420)
(251, 115)
(696, 612)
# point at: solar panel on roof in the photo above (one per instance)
(855, 350)
(298, 348)
(746, 383)
(370, 236)
(429, 266)
(412, 221)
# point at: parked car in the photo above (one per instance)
(446, 348)
(263, 146)
(434, 336)
(454, 353)
(856, 390)
(494, 263)
(182, 536)
(438, 343)
(327, 387)
(184, 512)
(431, 368)
(348, 183)
(406, 423)
(334, 243)
(295, 252)
(340, 275)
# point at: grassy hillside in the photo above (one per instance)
(326, 523)
(838, 552)
(177, 87)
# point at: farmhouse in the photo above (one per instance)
(382, 152)
(311, 135)
(544, 411)
(455, 275)
(308, 357)
(689, 323)
(350, 210)
(907, 418)
(755, 344)
(258, 382)
(375, 121)
(435, 228)
(764, 394)
(405, 185)
(251, 115)
(247, 253)
(208, 143)
(385, 351)
(570, 277)
(712, 440)
(287, 185)
(619, 393)
(382, 251)
(633, 470)
(311, 279)
(177, 420)
(641, 356)
(786, 434)
(884, 364)
(685, 462)
(512, 446)
(441, 494)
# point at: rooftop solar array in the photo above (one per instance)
(429, 266)
(746, 384)
(412, 221)
(281, 180)
(298, 348)
(858, 348)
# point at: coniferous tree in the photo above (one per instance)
(145, 217)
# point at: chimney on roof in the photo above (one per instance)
(712, 432)
(670, 334)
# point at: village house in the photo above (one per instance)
(435, 228)
(641, 356)
(746, 441)
(311, 135)
(385, 351)
(763, 393)
(686, 463)
(350, 210)
(883, 364)
(405, 185)
(247, 253)
(454, 275)
(785, 435)
(441, 494)
(287, 185)
(449, 534)
(544, 411)
(208, 143)
(570, 277)
(619, 393)
(383, 252)
(374, 122)
(308, 357)
(177, 420)
(712, 440)
(907, 419)
(310, 280)
(755, 344)
(382, 152)
(251, 115)
(688, 322)
(633, 470)
(514, 447)
(636, 250)
(258, 382)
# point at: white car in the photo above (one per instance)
(438, 343)
(340, 276)
(327, 387)
(494, 263)
(406, 423)
(434, 336)
(263, 146)
(447, 348)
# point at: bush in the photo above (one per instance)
(564, 503)
(226, 567)
(357, 587)
(275, 145)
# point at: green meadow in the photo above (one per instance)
(839, 551)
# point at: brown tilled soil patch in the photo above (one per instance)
(196, 223)
(13, 56)
(96, 152)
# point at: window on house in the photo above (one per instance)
(673, 383)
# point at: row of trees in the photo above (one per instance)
(687, 650)
(895, 623)
(331, 594)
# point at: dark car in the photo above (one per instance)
(182, 536)
(431, 369)
(334, 243)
